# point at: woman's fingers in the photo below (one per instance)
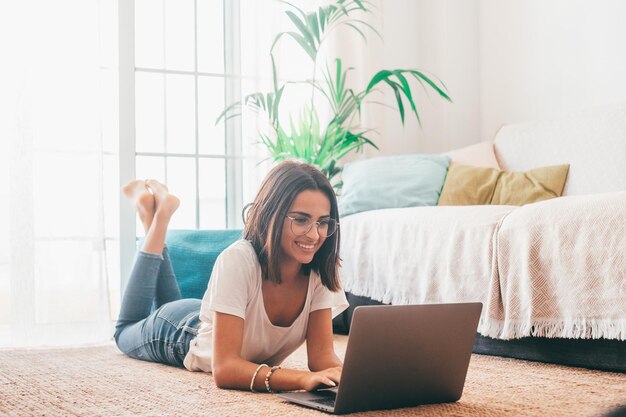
(335, 374)
(327, 378)
(330, 382)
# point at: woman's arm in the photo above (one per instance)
(319, 341)
(232, 371)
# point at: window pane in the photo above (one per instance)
(181, 181)
(212, 193)
(179, 34)
(210, 106)
(211, 36)
(150, 167)
(149, 33)
(180, 107)
(149, 112)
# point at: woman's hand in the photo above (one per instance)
(323, 379)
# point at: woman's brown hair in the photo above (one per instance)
(265, 218)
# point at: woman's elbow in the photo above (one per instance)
(220, 379)
(222, 375)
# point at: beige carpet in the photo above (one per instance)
(100, 381)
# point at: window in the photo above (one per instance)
(180, 63)
(80, 128)
(180, 82)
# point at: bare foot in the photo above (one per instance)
(165, 203)
(142, 200)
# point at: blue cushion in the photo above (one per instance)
(392, 181)
(193, 254)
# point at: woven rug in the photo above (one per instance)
(100, 381)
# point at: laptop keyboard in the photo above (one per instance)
(326, 398)
(329, 402)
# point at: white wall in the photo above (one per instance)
(539, 58)
(503, 61)
(439, 37)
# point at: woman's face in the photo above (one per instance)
(308, 206)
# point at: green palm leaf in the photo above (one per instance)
(303, 137)
(402, 89)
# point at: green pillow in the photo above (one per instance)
(392, 181)
(469, 185)
(193, 254)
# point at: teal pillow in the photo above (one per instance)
(392, 181)
(193, 254)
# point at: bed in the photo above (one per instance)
(551, 275)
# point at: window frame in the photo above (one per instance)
(233, 155)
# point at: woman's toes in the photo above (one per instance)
(134, 188)
(156, 186)
(163, 200)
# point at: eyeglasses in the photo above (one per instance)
(301, 225)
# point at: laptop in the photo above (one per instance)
(401, 356)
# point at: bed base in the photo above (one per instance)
(601, 354)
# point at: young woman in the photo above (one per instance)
(268, 293)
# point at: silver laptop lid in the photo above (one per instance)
(406, 355)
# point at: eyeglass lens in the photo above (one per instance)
(303, 226)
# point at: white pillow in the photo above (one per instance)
(478, 155)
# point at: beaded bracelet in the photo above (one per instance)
(268, 376)
(255, 374)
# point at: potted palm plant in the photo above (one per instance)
(305, 138)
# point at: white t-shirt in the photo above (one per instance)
(235, 288)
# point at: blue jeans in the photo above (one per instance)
(155, 324)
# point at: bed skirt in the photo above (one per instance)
(602, 354)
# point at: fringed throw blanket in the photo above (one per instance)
(560, 270)
(556, 268)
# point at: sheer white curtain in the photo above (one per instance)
(59, 213)
(260, 22)
(55, 133)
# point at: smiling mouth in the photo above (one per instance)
(305, 247)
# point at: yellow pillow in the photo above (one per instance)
(467, 185)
